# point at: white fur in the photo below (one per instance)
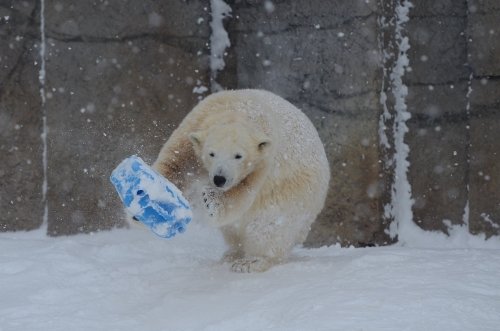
(273, 191)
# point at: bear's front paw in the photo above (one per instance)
(211, 201)
(252, 264)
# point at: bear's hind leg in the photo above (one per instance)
(266, 243)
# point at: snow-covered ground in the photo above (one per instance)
(132, 280)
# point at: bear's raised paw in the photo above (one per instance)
(211, 200)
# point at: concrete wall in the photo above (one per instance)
(120, 77)
(21, 176)
(454, 99)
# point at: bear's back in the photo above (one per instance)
(295, 135)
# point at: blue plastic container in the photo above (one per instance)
(151, 198)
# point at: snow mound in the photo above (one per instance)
(132, 280)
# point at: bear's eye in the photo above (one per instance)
(237, 156)
(212, 154)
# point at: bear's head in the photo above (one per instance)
(230, 152)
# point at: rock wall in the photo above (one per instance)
(21, 174)
(438, 88)
(454, 99)
(120, 76)
(483, 53)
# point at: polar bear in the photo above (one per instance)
(252, 164)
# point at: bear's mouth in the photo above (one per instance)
(224, 188)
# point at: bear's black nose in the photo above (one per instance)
(219, 181)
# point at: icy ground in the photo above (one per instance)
(132, 280)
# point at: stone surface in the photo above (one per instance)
(353, 206)
(485, 174)
(437, 90)
(484, 52)
(482, 6)
(438, 50)
(21, 171)
(484, 46)
(329, 59)
(438, 140)
(118, 19)
(430, 103)
(438, 172)
(438, 8)
(113, 89)
(485, 157)
(485, 96)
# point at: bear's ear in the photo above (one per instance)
(196, 138)
(264, 144)
(263, 139)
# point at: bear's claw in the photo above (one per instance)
(211, 199)
(254, 264)
(232, 255)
